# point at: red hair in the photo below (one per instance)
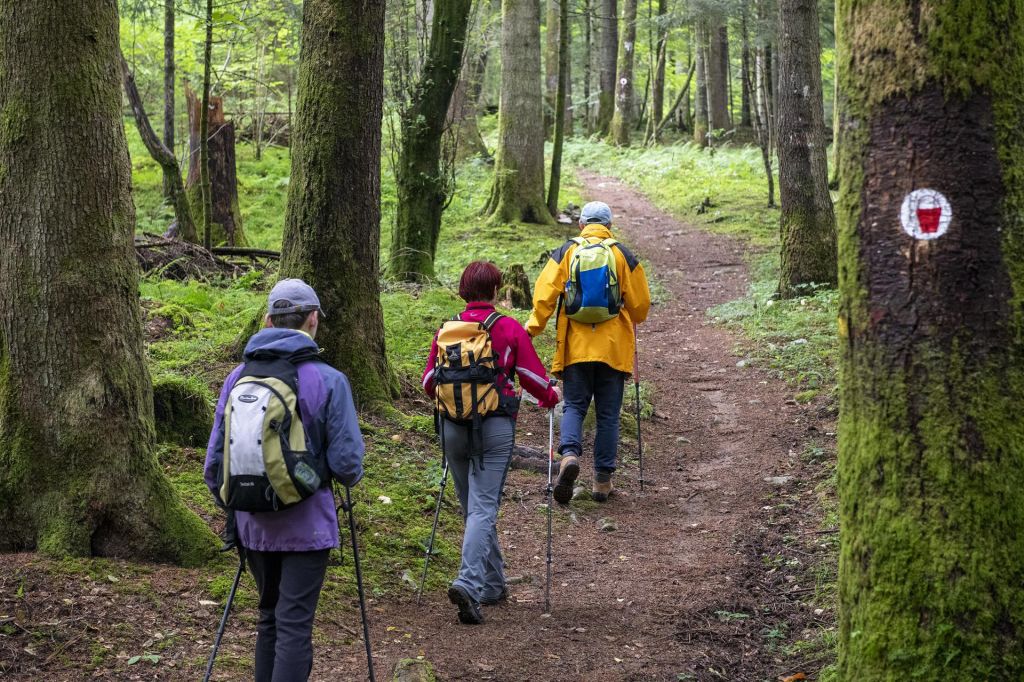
(479, 281)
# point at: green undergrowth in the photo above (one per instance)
(795, 339)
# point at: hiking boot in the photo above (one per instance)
(602, 487)
(469, 609)
(567, 474)
(494, 601)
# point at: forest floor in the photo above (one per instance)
(713, 572)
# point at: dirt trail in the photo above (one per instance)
(639, 603)
(702, 579)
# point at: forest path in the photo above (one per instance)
(677, 592)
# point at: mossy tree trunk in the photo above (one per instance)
(622, 121)
(518, 190)
(78, 474)
(807, 221)
(332, 225)
(931, 459)
(745, 79)
(420, 179)
(608, 12)
(551, 34)
(225, 216)
(658, 84)
(464, 110)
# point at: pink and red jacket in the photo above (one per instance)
(516, 356)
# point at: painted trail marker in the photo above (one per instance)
(926, 214)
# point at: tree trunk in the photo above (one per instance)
(807, 222)
(622, 121)
(78, 474)
(658, 88)
(609, 46)
(184, 227)
(205, 187)
(717, 66)
(169, 177)
(683, 95)
(551, 60)
(518, 190)
(225, 217)
(560, 110)
(464, 110)
(931, 460)
(332, 224)
(420, 180)
(745, 79)
(587, 61)
(763, 134)
(700, 93)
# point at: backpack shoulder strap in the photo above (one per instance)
(610, 242)
(492, 320)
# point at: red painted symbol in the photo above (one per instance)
(926, 214)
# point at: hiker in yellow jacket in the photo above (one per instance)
(596, 306)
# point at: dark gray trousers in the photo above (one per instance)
(289, 584)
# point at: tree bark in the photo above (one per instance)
(622, 121)
(717, 66)
(931, 460)
(551, 62)
(184, 227)
(609, 46)
(700, 93)
(560, 110)
(169, 177)
(518, 190)
(205, 189)
(679, 100)
(658, 87)
(807, 222)
(464, 110)
(78, 474)
(332, 224)
(746, 80)
(225, 216)
(588, 24)
(420, 180)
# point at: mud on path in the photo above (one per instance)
(700, 580)
(678, 590)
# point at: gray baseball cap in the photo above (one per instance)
(292, 296)
(596, 212)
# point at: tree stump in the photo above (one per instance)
(227, 218)
(515, 289)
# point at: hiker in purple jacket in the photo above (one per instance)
(287, 550)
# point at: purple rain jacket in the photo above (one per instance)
(332, 428)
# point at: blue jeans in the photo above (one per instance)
(478, 483)
(582, 382)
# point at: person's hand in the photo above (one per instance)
(558, 392)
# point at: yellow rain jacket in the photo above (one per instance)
(609, 342)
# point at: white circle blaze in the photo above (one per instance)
(926, 214)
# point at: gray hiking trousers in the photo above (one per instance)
(478, 484)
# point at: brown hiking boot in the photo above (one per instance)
(602, 487)
(567, 474)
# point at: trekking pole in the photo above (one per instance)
(636, 388)
(224, 618)
(551, 459)
(347, 506)
(437, 513)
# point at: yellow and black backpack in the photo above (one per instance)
(466, 373)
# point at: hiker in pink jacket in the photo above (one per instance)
(480, 476)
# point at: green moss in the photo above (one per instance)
(173, 313)
(182, 409)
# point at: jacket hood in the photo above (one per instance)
(282, 342)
